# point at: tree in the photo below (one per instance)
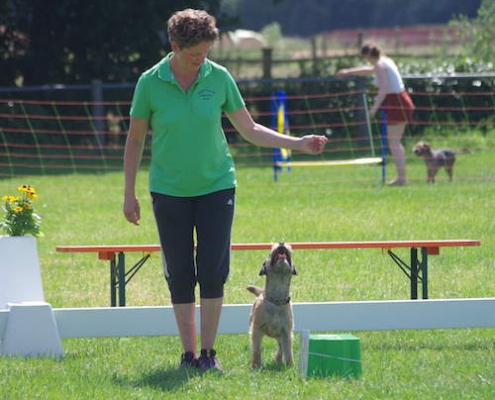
(478, 33)
(71, 41)
(311, 17)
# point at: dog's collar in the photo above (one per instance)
(277, 302)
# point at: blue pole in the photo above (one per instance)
(275, 151)
(279, 101)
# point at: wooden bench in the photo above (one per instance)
(416, 270)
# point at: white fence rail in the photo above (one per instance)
(335, 316)
(328, 316)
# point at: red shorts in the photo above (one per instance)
(398, 107)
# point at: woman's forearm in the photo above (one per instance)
(356, 71)
(133, 152)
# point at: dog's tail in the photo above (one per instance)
(254, 290)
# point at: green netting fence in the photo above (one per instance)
(83, 129)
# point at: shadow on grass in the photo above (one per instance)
(273, 366)
(165, 380)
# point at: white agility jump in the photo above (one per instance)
(26, 335)
(326, 163)
(322, 317)
(33, 328)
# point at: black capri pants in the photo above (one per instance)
(179, 220)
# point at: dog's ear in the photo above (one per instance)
(294, 270)
(263, 268)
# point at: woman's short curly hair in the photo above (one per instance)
(189, 27)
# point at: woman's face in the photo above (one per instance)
(191, 58)
(369, 58)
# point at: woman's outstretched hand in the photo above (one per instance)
(313, 144)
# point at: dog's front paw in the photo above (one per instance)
(256, 362)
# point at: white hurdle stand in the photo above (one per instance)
(323, 317)
(27, 322)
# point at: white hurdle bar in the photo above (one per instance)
(322, 317)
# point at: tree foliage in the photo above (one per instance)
(478, 33)
(77, 41)
(70, 41)
(310, 17)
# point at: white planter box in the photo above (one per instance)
(20, 275)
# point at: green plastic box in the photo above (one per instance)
(334, 355)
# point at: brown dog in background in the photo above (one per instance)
(435, 159)
(271, 313)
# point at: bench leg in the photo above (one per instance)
(414, 273)
(122, 282)
(424, 271)
(419, 270)
(119, 278)
(412, 270)
(113, 283)
(117, 281)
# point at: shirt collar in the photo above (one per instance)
(165, 72)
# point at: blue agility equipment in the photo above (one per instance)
(280, 123)
(282, 157)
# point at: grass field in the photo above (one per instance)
(307, 204)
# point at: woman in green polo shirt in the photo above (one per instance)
(192, 177)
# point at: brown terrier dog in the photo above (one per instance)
(435, 159)
(271, 313)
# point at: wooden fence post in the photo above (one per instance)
(98, 112)
(314, 55)
(267, 62)
(360, 42)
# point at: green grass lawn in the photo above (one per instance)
(307, 204)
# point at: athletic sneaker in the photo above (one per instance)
(208, 361)
(397, 182)
(187, 360)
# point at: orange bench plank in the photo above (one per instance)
(433, 246)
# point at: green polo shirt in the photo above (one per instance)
(189, 154)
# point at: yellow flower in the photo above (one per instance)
(20, 218)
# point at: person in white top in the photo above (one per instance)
(392, 96)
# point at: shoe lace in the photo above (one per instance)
(208, 355)
(187, 356)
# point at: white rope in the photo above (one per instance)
(334, 357)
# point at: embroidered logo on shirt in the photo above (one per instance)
(206, 94)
